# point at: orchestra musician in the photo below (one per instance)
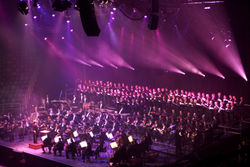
(71, 148)
(47, 143)
(59, 147)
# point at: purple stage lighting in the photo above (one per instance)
(45, 38)
(34, 17)
(114, 9)
(62, 38)
(207, 7)
(113, 18)
(25, 24)
(71, 30)
(111, 12)
(53, 15)
(68, 21)
(38, 6)
(134, 10)
(145, 16)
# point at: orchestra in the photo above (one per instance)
(99, 108)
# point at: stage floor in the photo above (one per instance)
(23, 146)
(166, 154)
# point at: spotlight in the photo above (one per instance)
(23, 7)
(207, 7)
(45, 38)
(61, 5)
(68, 21)
(34, 17)
(53, 15)
(71, 30)
(25, 24)
(62, 38)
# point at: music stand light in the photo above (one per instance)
(91, 134)
(56, 139)
(113, 145)
(130, 139)
(83, 144)
(44, 137)
(109, 135)
(75, 133)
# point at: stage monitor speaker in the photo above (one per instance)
(153, 18)
(88, 17)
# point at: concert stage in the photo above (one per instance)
(166, 154)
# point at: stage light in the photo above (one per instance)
(227, 45)
(207, 7)
(45, 38)
(34, 17)
(61, 5)
(25, 24)
(145, 16)
(113, 18)
(53, 15)
(71, 30)
(62, 38)
(23, 7)
(83, 144)
(111, 12)
(114, 9)
(68, 21)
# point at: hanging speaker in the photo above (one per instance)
(153, 18)
(88, 17)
